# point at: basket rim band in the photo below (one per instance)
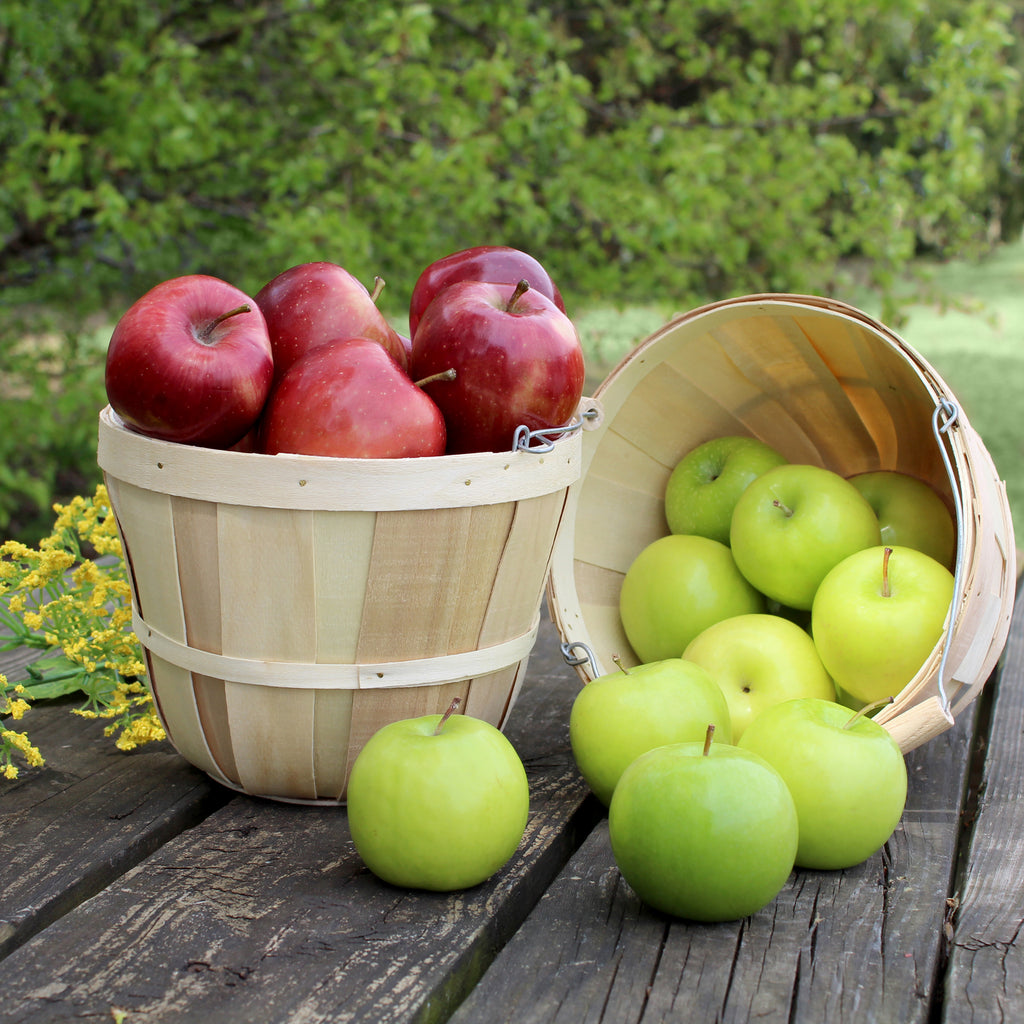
(309, 482)
(448, 668)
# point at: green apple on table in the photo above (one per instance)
(625, 713)
(437, 802)
(793, 524)
(846, 773)
(705, 484)
(703, 831)
(759, 660)
(677, 586)
(910, 513)
(877, 616)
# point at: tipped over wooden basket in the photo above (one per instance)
(289, 606)
(824, 384)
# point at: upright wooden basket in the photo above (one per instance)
(290, 606)
(824, 384)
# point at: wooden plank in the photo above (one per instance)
(264, 912)
(68, 829)
(985, 977)
(857, 945)
(14, 663)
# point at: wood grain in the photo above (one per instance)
(985, 980)
(69, 829)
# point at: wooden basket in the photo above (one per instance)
(290, 606)
(824, 384)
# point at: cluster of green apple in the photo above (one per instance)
(784, 598)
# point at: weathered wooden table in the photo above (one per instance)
(133, 888)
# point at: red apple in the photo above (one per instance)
(190, 361)
(517, 361)
(407, 345)
(313, 303)
(500, 264)
(348, 398)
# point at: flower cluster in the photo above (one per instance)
(13, 705)
(76, 608)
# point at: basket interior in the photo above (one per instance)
(818, 380)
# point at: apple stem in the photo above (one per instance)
(707, 738)
(204, 332)
(867, 709)
(378, 287)
(520, 289)
(448, 374)
(622, 668)
(886, 589)
(452, 708)
(785, 508)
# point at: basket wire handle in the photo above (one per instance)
(544, 440)
(943, 419)
(570, 656)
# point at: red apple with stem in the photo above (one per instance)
(313, 303)
(190, 361)
(500, 264)
(348, 398)
(517, 360)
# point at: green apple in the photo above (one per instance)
(706, 482)
(759, 660)
(845, 772)
(438, 802)
(677, 586)
(625, 713)
(910, 513)
(877, 616)
(703, 831)
(793, 524)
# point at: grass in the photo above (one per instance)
(979, 352)
(975, 340)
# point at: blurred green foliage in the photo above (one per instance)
(639, 149)
(663, 150)
(51, 390)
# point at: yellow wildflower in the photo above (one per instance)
(77, 608)
(141, 730)
(17, 708)
(15, 550)
(17, 741)
(87, 573)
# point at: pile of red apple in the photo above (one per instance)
(310, 365)
(786, 604)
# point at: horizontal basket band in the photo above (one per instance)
(313, 482)
(448, 668)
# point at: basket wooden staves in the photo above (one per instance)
(824, 384)
(289, 606)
